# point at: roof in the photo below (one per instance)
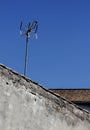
(37, 89)
(31, 93)
(74, 95)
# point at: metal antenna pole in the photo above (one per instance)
(26, 54)
(31, 28)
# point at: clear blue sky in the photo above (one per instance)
(60, 58)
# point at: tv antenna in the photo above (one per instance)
(28, 30)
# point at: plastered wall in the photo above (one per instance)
(25, 105)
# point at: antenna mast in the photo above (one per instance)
(31, 28)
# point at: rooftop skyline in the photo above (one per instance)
(59, 58)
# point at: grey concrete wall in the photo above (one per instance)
(25, 105)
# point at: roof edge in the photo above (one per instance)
(45, 92)
(69, 88)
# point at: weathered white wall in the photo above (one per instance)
(25, 105)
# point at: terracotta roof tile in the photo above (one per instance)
(74, 95)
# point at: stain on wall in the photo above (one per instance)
(26, 105)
